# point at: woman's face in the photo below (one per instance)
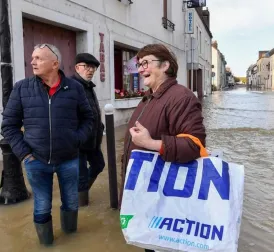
(152, 71)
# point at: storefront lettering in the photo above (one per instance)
(102, 57)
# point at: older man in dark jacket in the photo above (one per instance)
(90, 151)
(57, 119)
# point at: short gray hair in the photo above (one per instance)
(53, 49)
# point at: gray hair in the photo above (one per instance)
(53, 49)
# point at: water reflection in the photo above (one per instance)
(239, 122)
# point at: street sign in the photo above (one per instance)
(196, 3)
(190, 22)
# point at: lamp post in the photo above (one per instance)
(12, 181)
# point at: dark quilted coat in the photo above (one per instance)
(54, 127)
(95, 140)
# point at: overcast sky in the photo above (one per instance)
(242, 28)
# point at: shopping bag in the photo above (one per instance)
(196, 206)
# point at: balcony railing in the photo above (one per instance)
(167, 24)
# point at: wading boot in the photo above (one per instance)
(69, 221)
(83, 198)
(90, 182)
(45, 233)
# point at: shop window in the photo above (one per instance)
(127, 85)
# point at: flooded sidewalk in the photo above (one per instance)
(239, 122)
(98, 224)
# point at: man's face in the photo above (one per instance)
(86, 71)
(44, 62)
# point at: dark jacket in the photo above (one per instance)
(54, 127)
(95, 140)
(171, 110)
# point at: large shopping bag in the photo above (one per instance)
(196, 206)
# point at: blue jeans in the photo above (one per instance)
(40, 177)
(96, 162)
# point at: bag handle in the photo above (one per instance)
(203, 151)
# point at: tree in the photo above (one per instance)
(236, 79)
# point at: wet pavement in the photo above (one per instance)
(239, 122)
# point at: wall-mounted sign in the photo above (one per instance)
(190, 21)
(102, 58)
(196, 3)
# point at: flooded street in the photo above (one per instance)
(239, 122)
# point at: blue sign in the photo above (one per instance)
(190, 22)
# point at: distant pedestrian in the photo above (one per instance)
(90, 151)
(57, 119)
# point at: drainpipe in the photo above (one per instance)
(12, 181)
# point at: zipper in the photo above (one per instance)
(50, 125)
(50, 137)
(130, 137)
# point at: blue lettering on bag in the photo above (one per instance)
(138, 159)
(187, 191)
(210, 175)
(188, 227)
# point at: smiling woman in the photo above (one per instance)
(166, 110)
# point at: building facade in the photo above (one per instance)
(263, 77)
(219, 67)
(199, 53)
(260, 75)
(113, 31)
(271, 69)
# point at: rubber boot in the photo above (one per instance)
(69, 221)
(45, 233)
(83, 198)
(90, 182)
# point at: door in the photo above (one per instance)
(35, 32)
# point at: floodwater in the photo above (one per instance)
(239, 122)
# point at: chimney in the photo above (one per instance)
(215, 44)
(262, 54)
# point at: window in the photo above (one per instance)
(166, 20)
(197, 35)
(126, 84)
(200, 42)
(167, 9)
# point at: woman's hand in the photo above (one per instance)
(141, 137)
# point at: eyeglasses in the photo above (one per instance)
(144, 63)
(88, 67)
(41, 46)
